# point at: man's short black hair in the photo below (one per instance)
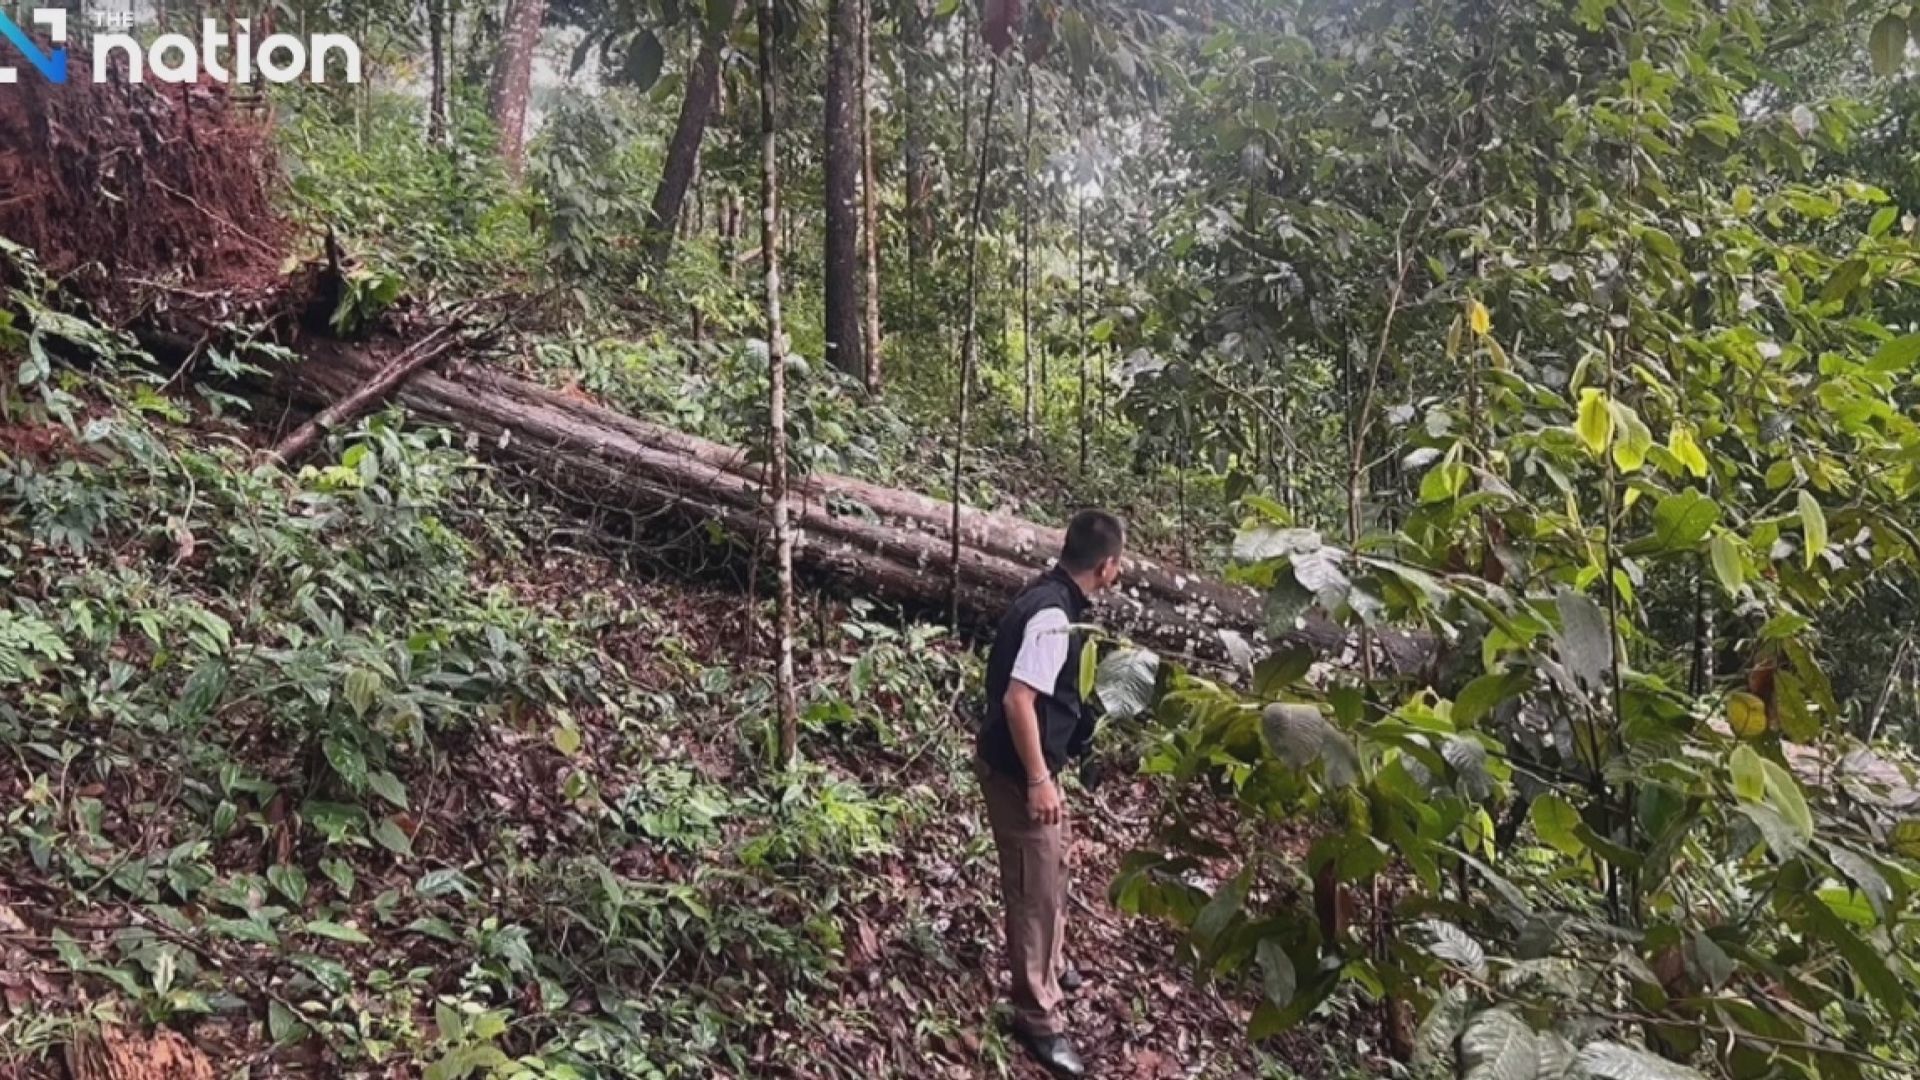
(1093, 536)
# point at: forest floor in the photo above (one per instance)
(620, 866)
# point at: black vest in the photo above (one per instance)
(1066, 727)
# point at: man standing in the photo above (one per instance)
(1035, 723)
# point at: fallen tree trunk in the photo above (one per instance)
(878, 540)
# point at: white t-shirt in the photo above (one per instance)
(1043, 650)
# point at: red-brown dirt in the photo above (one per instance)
(126, 190)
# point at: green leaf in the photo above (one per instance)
(1586, 640)
(1898, 354)
(1295, 733)
(1220, 911)
(1683, 519)
(391, 836)
(1905, 838)
(1814, 522)
(244, 930)
(283, 1024)
(347, 761)
(1797, 722)
(388, 786)
(1124, 682)
(1612, 1061)
(1729, 565)
(1749, 774)
(337, 931)
(1868, 966)
(1278, 980)
(1866, 877)
(1263, 542)
(566, 739)
(1281, 670)
(1746, 715)
(1595, 423)
(644, 59)
(1633, 440)
(1681, 445)
(1784, 795)
(1457, 947)
(1089, 668)
(1498, 1045)
(1556, 821)
(362, 689)
(340, 872)
(1887, 45)
(290, 881)
(1469, 760)
(1484, 694)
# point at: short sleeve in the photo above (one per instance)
(1043, 650)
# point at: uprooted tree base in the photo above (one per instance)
(128, 192)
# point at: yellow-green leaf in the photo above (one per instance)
(1887, 44)
(1728, 564)
(1633, 441)
(1557, 822)
(1595, 425)
(1749, 776)
(1797, 722)
(1906, 839)
(1746, 715)
(1479, 319)
(1783, 792)
(1681, 445)
(1813, 521)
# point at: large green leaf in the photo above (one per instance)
(1729, 565)
(1633, 441)
(1557, 822)
(1681, 521)
(1586, 641)
(1124, 681)
(1785, 796)
(1457, 947)
(1868, 965)
(1595, 422)
(1278, 980)
(1498, 1045)
(1887, 44)
(1612, 1061)
(1296, 733)
(1813, 522)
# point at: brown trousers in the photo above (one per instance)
(1033, 890)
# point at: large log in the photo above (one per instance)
(876, 540)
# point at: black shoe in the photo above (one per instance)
(1071, 981)
(1054, 1053)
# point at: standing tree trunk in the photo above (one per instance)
(683, 150)
(970, 336)
(513, 80)
(1080, 258)
(869, 201)
(1026, 266)
(842, 261)
(437, 89)
(777, 383)
(919, 178)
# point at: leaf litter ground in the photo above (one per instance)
(912, 924)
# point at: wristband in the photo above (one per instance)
(1032, 783)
